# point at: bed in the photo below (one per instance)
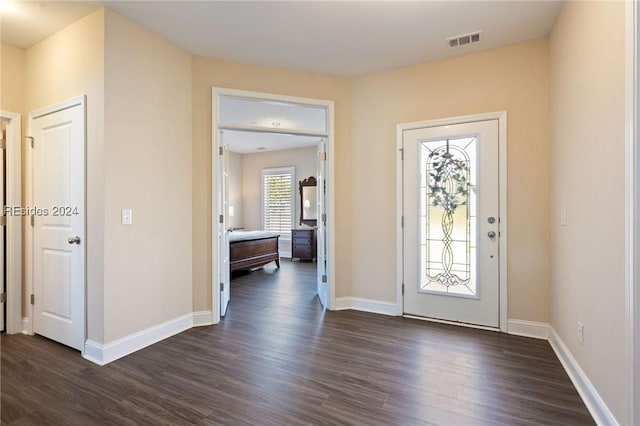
(252, 249)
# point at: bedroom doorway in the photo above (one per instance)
(11, 225)
(263, 223)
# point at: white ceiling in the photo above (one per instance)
(255, 113)
(345, 38)
(277, 115)
(25, 23)
(250, 142)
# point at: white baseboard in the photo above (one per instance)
(596, 406)
(201, 318)
(366, 305)
(537, 330)
(102, 354)
(285, 254)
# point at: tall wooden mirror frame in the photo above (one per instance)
(309, 182)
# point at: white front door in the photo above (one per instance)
(223, 231)
(323, 287)
(451, 223)
(59, 223)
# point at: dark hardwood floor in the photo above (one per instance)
(278, 359)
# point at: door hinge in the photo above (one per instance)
(324, 278)
(220, 150)
(3, 221)
(401, 153)
(33, 299)
(402, 221)
(33, 220)
(323, 156)
(30, 139)
(221, 218)
(3, 297)
(221, 286)
(3, 144)
(324, 218)
(403, 289)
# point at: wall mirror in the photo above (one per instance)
(308, 201)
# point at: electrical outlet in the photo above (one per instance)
(580, 333)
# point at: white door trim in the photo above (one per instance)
(28, 239)
(216, 93)
(632, 212)
(501, 116)
(14, 223)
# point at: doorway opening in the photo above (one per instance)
(11, 223)
(272, 192)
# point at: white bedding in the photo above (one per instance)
(250, 235)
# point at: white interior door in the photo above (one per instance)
(59, 224)
(3, 232)
(323, 287)
(223, 232)
(451, 223)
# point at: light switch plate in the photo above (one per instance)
(127, 217)
(563, 217)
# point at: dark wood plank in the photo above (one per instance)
(278, 358)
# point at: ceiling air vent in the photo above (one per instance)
(463, 40)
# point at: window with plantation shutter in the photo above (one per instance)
(278, 198)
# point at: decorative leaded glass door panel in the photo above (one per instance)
(451, 231)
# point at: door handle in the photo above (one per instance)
(74, 240)
(491, 234)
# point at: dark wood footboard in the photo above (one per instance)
(249, 254)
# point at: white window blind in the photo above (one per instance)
(278, 198)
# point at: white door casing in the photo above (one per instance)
(321, 237)
(216, 125)
(58, 197)
(435, 284)
(3, 286)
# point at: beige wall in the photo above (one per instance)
(235, 190)
(304, 162)
(211, 72)
(71, 63)
(140, 275)
(148, 268)
(588, 180)
(514, 79)
(11, 78)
